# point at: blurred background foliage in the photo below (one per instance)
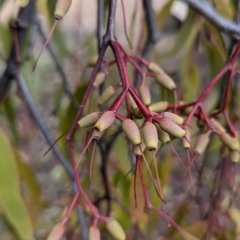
(34, 189)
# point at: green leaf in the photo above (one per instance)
(10, 196)
(182, 36)
(11, 117)
(189, 71)
(225, 8)
(163, 14)
(197, 229)
(5, 40)
(33, 195)
(216, 40)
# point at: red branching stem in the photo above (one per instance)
(70, 209)
(206, 118)
(80, 190)
(136, 66)
(164, 215)
(227, 67)
(120, 63)
(205, 93)
(144, 110)
(180, 107)
(235, 54)
(142, 60)
(227, 90)
(229, 123)
(88, 91)
(118, 101)
(119, 117)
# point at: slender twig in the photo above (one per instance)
(100, 22)
(208, 12)
(60, 157)
(22, 26)
(153, 35)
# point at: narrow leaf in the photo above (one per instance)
(10, 198)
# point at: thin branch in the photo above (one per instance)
(111, 22)
(153, 33)
(100, 22)
(22, 26)
(60, 157)
(208, 12)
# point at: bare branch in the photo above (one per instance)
(153, 33)
(208, 12)
(60, 157)
(22, 25)
(100, 22)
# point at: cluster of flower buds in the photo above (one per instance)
(168, 125)
(100, 122)
(161, 77)
(230, 145)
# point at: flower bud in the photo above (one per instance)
(173, 117)
(145, 94)
(132, 131)
(158, 106)
(137, 149)
(234, 156)
(89, 120)
(132, 102)
(62, 8)
(216, 125)
(186, 140)
(115, 229)
(162, 135)
(56, 232)
(105, 121)
(94, 234)
(99, 79)
(165, 80)
(150, 136)
(201, 143)
(153, 67)
(228, 141)
(106, 95)
(171, 128)
(137, 114)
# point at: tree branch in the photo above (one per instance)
(23, 23)
(60, 157)
(153, 33)
(208, 12)
(100, 22)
